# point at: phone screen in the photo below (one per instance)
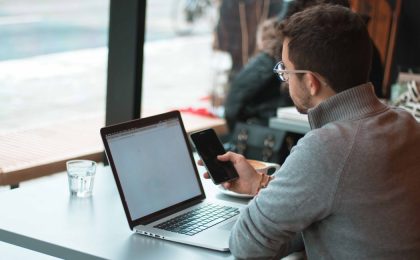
(209, 147)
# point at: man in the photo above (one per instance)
(351, 186)
(253, 95)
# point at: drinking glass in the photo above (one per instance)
(81, 175)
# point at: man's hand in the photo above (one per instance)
(248, 181)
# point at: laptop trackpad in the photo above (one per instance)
(227, 226)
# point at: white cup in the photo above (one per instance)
(264, 167)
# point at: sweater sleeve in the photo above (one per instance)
(301, 193)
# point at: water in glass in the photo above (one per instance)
(81, 176)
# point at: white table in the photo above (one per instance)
(8, 251)
(44, 218)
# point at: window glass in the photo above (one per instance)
(194, 48)
(53, 57)
(178, 70)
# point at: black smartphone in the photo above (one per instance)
(208, 146)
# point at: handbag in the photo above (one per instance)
(262, 143)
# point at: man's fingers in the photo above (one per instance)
(224, 157)
(200, 162)
(229, 156)
(227, 185)
(206, 175)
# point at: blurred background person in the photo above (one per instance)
(254, 93)
(237, 26)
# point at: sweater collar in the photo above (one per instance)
(352, 103)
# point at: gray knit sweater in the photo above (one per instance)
(351, 186)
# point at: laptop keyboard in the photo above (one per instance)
(199, 219)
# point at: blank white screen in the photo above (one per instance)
(154, 167)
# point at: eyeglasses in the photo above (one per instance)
(283, 73)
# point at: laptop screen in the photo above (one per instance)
(154, 167)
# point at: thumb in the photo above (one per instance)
(225, 157)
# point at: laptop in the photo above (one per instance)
(159, 185)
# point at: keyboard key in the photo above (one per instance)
(198, 219)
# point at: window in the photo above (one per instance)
(172, 58)
(53, 61)
(53, 57)
(177, 68)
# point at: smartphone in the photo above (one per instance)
(208, 146)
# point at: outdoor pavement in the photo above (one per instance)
(41, 83)
(56, 87)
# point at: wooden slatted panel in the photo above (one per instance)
(30, 153)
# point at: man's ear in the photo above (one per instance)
(313, 83)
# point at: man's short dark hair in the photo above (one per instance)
(299, 5)
(332, 41)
